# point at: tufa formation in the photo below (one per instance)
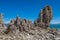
(23, 25)
(44, 18)
(1, 21)
(22, 29)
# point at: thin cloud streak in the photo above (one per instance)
(55, 22)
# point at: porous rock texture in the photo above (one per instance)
(22, 29)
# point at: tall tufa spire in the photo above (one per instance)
(45, 16)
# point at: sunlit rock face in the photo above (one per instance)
(17, 21)
(22, 29)
(18, 24)
(1, 21)
(45, 17)
(47, 14)
(2, 26)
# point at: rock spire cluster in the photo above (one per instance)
(21, 25)
(22, 29)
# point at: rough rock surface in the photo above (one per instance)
(45, 17)
(22, 29)
(1, 21)
(41, 34)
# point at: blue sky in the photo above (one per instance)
(28, 9)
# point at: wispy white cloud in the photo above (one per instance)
(6, 20)
(55, 22)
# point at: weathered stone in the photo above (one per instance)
(11, 28)
(47, 15)
(25, 30)
(26, 24)
(1, 21)
(12, 22)
(44, 18)
(17, 22)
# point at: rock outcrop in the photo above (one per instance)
(2, 26)
(22, 29)
(20, 25)
(45, 17)
(1, 21)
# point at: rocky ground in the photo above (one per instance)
(42, 34)
(22, 29)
